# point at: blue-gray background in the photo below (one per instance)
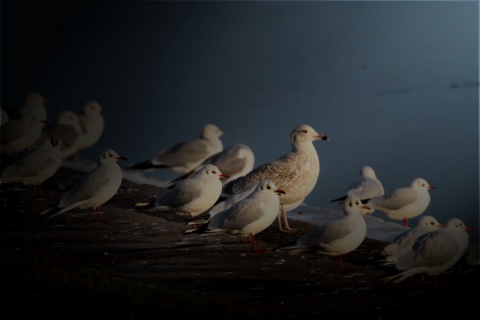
(393, 84)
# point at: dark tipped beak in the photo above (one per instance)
(432, 187)
(121, 158)
(224, 176)
(279, 192)
(323, 137)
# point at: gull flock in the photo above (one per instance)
(220, 190)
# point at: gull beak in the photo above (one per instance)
(224, 176)
(279, 192)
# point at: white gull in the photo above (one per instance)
(235, 161)
(247, 217)
(4, 117)
(93, 189)
(19, 134)
(369, 186)
(34, 103)
(67, 128)
(192, 196)
(92, 124)
(187, 155)
(335, 237)
(405, 240)
(434, 252)
(36, 165)
(404, 203)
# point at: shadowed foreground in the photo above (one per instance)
(138, 265)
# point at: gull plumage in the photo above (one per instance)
(235, 161)
(92, 124)
(296, 172)
(192, 196)
(405, 240)
(19, 134)
(187, 155)
(404, 203)
(368, 186)
(247, 217)
(93, 189)
(36, 165)
(434, 252)
(67, 128)
(336, 237)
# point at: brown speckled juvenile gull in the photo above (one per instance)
(296, 172)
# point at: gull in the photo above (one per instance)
(4, 117)
(434, 252)
(337, 237)
(472, 256)
(235, 161)
(405, 240)
(404, 203)
(93, 189)
(34, 103)
(91, 123)
(192, 196)
(187, 155)
(247, 217)
(234, 198)
(367, 187)
(18, 135)
(36, 165)
(67, 128)
(231, 200)
(296, 172)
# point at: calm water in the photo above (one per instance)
(393, 84)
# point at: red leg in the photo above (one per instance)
(40, 191)
(341, 264)
(99, 216)
(252, 241)
(405, 222)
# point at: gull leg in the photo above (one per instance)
(98, 217)
(340, 262)
(254, 248)
(283, 215)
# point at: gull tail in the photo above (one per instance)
(339, 200)
(52, 212)
(404, 275)
(146, 165)
(145, 205)
(203, 227)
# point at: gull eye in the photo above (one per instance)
(268, 187)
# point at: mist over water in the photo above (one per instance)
(394, 85)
